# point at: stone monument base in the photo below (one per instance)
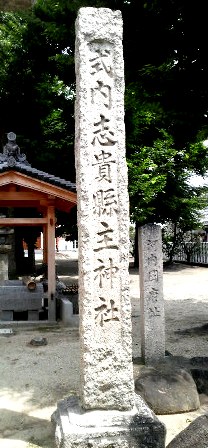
(138, 428)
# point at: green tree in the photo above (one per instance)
(35, 100)
(166, 111)
(166, 95)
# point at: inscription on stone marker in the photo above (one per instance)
(107, 380)
(115, 417)
(104, 148)
(151, 292)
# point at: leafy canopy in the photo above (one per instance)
(166, 100)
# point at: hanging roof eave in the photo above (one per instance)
(18, 188)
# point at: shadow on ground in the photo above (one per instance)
(201, 330)
(21, 427)
(180, 267)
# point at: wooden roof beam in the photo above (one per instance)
(13, 222)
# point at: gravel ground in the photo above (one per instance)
(33, 379)
(186, 314)
(186, 307)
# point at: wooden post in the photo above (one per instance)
(51, 264)
(45, 247)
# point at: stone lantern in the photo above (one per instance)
(5, 248)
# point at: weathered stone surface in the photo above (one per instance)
(106, 416)
(199, 370)
(3, 267)
(138, 428)
(167, 390)
(38, 341)
(103, 212)
(194, 436)
(151, 293)
(196, 366)
(5, 248)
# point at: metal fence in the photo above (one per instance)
(192, 253)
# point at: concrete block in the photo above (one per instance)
(6, 315)
(16, 297)
(66, 311)
(33, 315)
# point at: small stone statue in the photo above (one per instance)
(11, 152)
(11, 148)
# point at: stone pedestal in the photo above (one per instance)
(138, 428)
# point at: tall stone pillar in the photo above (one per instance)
(107, 414)
(151, 293)
(103, 213)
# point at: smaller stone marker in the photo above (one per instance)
(151, 293)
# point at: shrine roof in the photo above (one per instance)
(12, 159)
(38, 174)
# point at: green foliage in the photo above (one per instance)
(148, 171)
(36, 101)
(166, 110)
(159, 173)
(66, 227)
(176, 240)
(165, 102)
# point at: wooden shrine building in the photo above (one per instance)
(22, 186)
